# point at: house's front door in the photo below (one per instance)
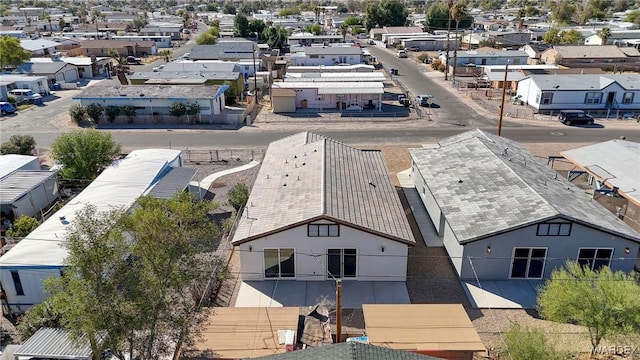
(611, 98)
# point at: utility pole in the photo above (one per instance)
(504, 92)
(255, 75)
(338, 310)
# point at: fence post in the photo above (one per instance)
(217, 156)
(210, 156)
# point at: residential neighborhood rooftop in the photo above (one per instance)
(487, 184)
(574, 82)
(177, 92)
(308, 176)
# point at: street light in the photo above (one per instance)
(504, 92)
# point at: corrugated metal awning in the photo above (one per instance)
(49, 343)
(176, 180)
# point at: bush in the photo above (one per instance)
(238, 196)
(177, 109)
(529, 344)
(94, 111)
(12, 99)
(18, 144)
(112, 112)
(399, 47)
(77, 113)
(23, 226)
(422, 57)
(130, 112)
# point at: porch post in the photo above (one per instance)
(379, 102)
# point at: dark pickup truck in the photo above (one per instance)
(132, 60)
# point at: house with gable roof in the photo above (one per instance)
(507, 220)
(321, 210)
(599, 93)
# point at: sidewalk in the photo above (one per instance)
(428, 231)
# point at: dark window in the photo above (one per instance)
(279, 263)
(323, 230)
(342, 263)
(17, 283)
(554, 229)
(594, 259)
(528, 263)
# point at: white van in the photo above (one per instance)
(23, 95)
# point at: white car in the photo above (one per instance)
(402, 54)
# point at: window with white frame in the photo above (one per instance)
(554, 229)
(547, 98)
(593, 98)
(528, 263)
(323, 230)
(342, 263)
(279, 263)
(627, 98)
(594, 258)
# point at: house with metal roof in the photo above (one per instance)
(10, 82)
(39, 47)
(228, 51)
(327, 55)
(613, 167)
(600, 94)
(322, 95)
(507, 220)
(321, 210)
(54, 344)
(605, 56)
(28, 193)
(152, 102)
(55, 71)
(40, 255)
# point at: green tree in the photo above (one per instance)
(166, 54)
(437, 16)
(524, 343)
(111, 111)
(229, 8)
(604, 34)
(177, 109)
(342, 9)
(256, 27)
(130, 112)
(241, 25)
(210, 37)
(61, 24)
(606, 302)
(491, 5)
(634, 17)
(563, 11)
(121, 66)
(94, 111)
(84, 153)
(458, 14)
(289, 11)
(11, 53)
(18, 144)
(192, 110)
(238, 196)
(23, 226)
(38, 316)
(385, 13)
(315, 29)
(353, 20)
(138, 24)
(531, 10)
(571, 37)
(276, 36)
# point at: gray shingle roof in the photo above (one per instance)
(484, 190)
(55, 344)
(349, 351)
(308, 176)
(149, 91)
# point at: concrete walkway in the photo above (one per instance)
(206, 182)
(428, 231)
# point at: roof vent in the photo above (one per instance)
(372, 184)
(504, 152)
(286, 175)
(285, 184)
(460, 181)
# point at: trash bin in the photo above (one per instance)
(304, 104)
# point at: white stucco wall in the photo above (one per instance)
(372, 263)
(497, 264)
(428, 200)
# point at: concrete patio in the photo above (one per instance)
(503, 294)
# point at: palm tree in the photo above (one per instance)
(121, 66)
(458, 13)
(604, 34)
(446, 65)
(166, 54)
(50, 28)
(344, 30)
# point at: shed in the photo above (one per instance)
(50, 343)
(237, 333)
(28, 192)
(442, 330)
(12, 162)
(283, 100)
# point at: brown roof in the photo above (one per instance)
(283, 92)
(114, 44)
(235, 333)
(421, 327)
(562, 71)
(403, 29)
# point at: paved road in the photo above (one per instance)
(452, 111)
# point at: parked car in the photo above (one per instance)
(413, 48)
(132, 60)
(424, 99)
(402, 54)
(7, 108)
(29, 95)
(371, 42)
(571, 117)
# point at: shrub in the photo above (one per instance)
(130, 112)
(112, 112)
(18, 144)
(77, 113)
(94, 111)
(23, 226)
(238, 196)
(12, 99)
(529, 344)
(422, 57)
(177, 109)
(399, 47)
